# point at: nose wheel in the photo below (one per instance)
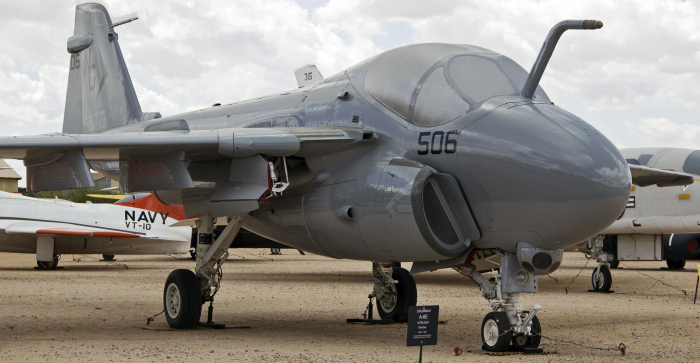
(496, 332)
(531, 341)
(601, 279)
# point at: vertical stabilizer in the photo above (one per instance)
(308, 75)
(100, 94)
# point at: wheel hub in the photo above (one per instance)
(173, 300)
(490, 332)
(388, 302)
(598, 279)
(521, 339)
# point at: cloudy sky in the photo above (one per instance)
(637, 79)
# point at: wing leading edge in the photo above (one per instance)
(643, 176)
(158, 160)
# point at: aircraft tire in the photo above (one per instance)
(48, 265)
(614, 264)
(182, 299)
(601, 281)
(406, 295)
(493, 332)
(529, 341)
(275, 250)
(107, 257)
(675, 264)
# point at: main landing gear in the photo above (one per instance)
(185, 292)
(49, 265)
(394, 289)
(508, 324)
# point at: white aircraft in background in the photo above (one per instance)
(51, 227)
(658, 224)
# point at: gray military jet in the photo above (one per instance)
(447, 156)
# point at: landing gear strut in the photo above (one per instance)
(185, 292)
(508, 324)
(394, 289)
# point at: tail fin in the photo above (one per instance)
(151, 202)
(100, 93)
(308, 75)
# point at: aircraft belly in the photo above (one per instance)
(282, 221)
(639, 247)
(17, 243)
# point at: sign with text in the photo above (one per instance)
(422, 325)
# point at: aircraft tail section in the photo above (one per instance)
(100, 94)
(151, 203)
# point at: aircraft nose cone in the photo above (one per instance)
(538, 174)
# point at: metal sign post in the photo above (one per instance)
(422, 327)
(696, 285)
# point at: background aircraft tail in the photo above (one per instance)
(100, 94)
(151, 202)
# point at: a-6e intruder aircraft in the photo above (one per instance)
(658, 223)
(438, 154)
(51, 227)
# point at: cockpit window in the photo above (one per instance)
(431, 84)
(437, 103)
(479, 78)
(692, 163)
(395, 74)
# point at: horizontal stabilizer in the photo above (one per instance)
(643, 176)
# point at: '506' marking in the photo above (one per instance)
(437, 141)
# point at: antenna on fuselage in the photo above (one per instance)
(548, 48)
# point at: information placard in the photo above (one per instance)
(422, 325)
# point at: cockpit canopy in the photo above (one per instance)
(431, 84)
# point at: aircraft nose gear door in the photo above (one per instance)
(508, 323)
(185, 292)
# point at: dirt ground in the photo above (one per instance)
(296, 308)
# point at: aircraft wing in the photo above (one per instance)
(643, 176)
(66, 229)
(155, 160)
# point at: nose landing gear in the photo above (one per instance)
(508, 326)
(601, 279)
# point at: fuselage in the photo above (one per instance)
(667, 210)
(526, 170)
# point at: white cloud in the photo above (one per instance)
(650, 132)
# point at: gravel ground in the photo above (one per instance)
(296, 308)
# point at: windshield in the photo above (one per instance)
(432, 84)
